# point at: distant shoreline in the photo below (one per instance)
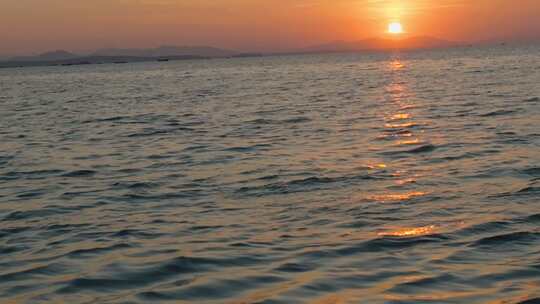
(104, 59)
(92, 60)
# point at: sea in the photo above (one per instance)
(395, 177)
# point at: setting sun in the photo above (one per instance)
(395, 28)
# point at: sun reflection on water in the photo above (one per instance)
(377, 166)
(400, 127)
(396, 64)
(405, 181)
(397, 197)
(400, 116)
(415, 141)
(410, 232)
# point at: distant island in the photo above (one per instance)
(170, 53)
(84, 60)
(119, 56)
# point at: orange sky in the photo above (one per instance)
(29, 26)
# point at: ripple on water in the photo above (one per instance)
(498, 113)
(513, 238)
(300, 185)
(80, 173)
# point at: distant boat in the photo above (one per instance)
(162, 59)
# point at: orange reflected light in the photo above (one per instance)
(406, 181)
(377, 166)
(396, 65)
(404, 125)
(397, 196)
(400, 116)
(405, 232)
(408, 142)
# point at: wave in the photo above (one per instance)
(136, 185)
(35, 271)
(181, 268)
(38, 213)
(300, 185)
(244, 149)
(80, 173)
(534, 171)
(532, 99)
(497, 113)
(418, 150)
(520, 237)
(88, 253)
(531, 301)
(152, 132)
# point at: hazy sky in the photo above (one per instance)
(29, 26)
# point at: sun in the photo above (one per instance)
(395, 28)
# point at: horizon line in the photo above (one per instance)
(386, 36)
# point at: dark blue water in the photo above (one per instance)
(346, 178)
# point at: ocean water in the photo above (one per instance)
(343, 178)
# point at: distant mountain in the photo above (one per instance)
(382, 44)
(167, 51)
(163, 53)
(160, 52)
(48, 56)
(93, 60)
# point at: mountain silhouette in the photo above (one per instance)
(418, 42)
(48, 56)
(166, 53)
(162, 53)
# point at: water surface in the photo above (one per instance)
(345, 178)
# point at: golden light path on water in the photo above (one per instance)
(410, 231)
(399, 127)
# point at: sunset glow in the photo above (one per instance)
(253, 25)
